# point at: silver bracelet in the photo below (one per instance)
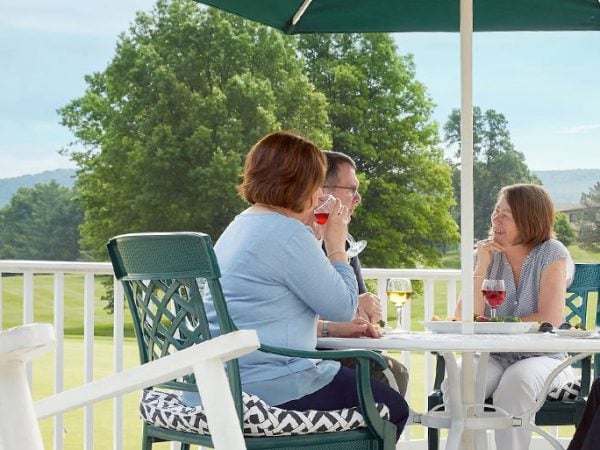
(325, 329)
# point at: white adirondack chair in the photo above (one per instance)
(19, 415)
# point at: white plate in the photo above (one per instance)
(574, 333)
(444, 326)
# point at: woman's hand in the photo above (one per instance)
(369, 307)
(485, 249)
(358, 327)
(335, 231)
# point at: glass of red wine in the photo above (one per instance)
(494, 292)
(326, 204)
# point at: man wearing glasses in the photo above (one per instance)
(341, 182)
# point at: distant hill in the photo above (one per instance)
(566, 186)
(8, 186)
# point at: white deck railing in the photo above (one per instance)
(432, 279)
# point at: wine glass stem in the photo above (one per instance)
(399, 321)
(493, 313)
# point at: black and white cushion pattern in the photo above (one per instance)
(567, 392)
(167, 411)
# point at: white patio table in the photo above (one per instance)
(463, 416)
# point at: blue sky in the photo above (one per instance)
(546, 84)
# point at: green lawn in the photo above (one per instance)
(12, 304)
(43, 385)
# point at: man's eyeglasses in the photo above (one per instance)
(353, 190)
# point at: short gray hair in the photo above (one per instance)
(334, 159)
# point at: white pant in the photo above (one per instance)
(514, 388)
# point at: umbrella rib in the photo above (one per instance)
(301, 11)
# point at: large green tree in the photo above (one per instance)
(381, 116)
(41, 223)
(496, 163)
(163, 131)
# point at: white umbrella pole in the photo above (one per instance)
(466, 198)
(466, 158)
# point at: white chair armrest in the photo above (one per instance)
(206, 360)
(220, 350)
(25, 342)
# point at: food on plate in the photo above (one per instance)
(435, 318)
(566, 326)
(480, 318)
(379, 325)
(511, 319)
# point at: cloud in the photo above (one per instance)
(579, 129)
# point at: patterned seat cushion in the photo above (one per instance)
(167, 411)
(567, 392)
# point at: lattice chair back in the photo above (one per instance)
(572, 397)
(586, 281)
(163, 276)
(585, 289)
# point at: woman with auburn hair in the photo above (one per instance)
(536, 269)
(277, 280)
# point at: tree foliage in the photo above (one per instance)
(381, 116)
(563, 229)
(163, 131)
(589, 226)
(41, 223)
(496, 163)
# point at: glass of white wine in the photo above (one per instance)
(398, 291)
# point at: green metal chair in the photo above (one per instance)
(553, 412)
(162, 275)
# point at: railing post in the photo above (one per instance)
(59, 358)
(118, 362)
(88, 344)
(28, 311)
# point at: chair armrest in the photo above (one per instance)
(384, 429)
(221, 349)
(335, 355)
(586, 371)
(26, 342)
(440, 371)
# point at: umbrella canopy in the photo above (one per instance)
(344, 16)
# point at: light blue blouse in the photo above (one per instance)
(277, 281)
